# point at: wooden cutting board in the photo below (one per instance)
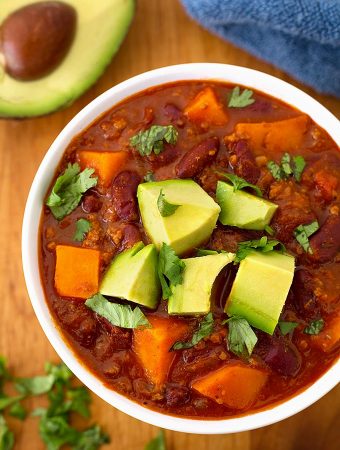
(161, 34)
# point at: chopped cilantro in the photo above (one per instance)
(239, 183)
(205, 329)
(119, 315)
(240, 99)
(170, 269)
(268, 229)
(83, 226)
(314, 327)
(303, 232)
(241, 338)
(152, 139)
(68, 190)
(263, 245)
(6, 435)
(35, 385)
(287, 327)
(157, 443)
(164, 207)
(286, 168)
(18, 411)
(206, 252)
(149, 176)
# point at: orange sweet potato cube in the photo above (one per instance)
(106, 164)
(152, 345)
(77, 271)
(283, 135)
(205, 107)
(235, 385)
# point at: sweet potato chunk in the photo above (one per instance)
(283, 135)
(205, 107)
(235, 385)
(76, 271)
(329, 338)
(106, 164)
(152, 346)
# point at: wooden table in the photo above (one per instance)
(161, 34)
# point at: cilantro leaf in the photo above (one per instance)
(157, 443)
(207, 252)
(4, 374)
(170, 267)
(35, 385)
(152, 139)
(263, 245)
(303, 232)
(119, 315)
(18, 411)
(55, 432)
(6, 435)
(83, 226)
(9, 401)
(241, 338)
(240, 100)
(287, 327)
(91, 439)
(149, 177)
(298, 168)
(68, 190)
(287, 168)
(268, 229)
(78, 400)
(164, 207)
(60, 372)
(314, 327)
(239, 183)
(205, 329)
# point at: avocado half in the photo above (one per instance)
(101, 27)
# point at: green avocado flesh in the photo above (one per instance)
(190, 225)
(260, 289)
(193, 295)
(101, 27)
(132, 276)
(243, 210)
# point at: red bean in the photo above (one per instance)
(305, 300)
(124, 189)
(283, 357)
(326, 242)
(198, 157)
(91, 204)
(176, 395)
(131, 235)
(245, 165)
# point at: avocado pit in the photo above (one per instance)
(35, 39)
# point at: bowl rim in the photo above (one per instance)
(30, 232)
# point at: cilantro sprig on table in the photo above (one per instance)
(55, 428)
(287, 167)
(302, 234)
(240, 99)
(170, 269)
(152, 139)
(68, 190)
(205, 329)
(157, 443)
(119, 315)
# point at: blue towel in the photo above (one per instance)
(302, 37)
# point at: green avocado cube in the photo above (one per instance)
(191, 224)
(260, 289)
(132, 275)
(192, 297)
(243, 210)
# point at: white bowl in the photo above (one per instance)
(30, 234)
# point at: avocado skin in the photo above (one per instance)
(101, 29)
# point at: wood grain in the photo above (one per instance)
(160, 35)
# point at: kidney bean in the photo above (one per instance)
(123, 192)
(325, 244)
(91, 203)
(131, 235)
(305, 300)
(198, 157)
(283, 357)
(174, 114)
(245, 165)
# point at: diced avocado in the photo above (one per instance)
(193, 295)
(101, 27)
(243, 210)
(190, 225)
(132, 275)
(260, 289)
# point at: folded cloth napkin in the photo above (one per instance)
(302, 37)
